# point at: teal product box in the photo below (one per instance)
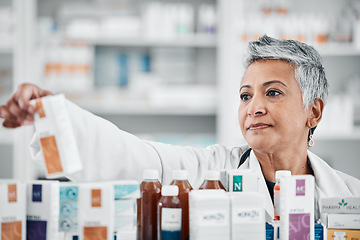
(241, 180)
(68, 215)
(270, 232)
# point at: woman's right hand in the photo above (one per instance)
(18, 111)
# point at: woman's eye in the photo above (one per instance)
(273, 93)
(245, 97)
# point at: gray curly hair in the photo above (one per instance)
(309, 71)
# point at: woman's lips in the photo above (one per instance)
(258, 126)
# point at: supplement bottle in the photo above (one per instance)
(150, 194)
(180, 179)
(278, 175)
(169, 214)
(212, 181)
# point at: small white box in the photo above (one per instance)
(341, 221)
(43, 210)
(242, 180)
(209, 213)
(297, 207)
(247, 216)
(96, 211)
(349, 205)
(12, 210)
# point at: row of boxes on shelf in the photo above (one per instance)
(103, 210)
(57, 210)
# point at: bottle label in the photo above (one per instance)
(247, 215)
(171, 219)
(277, 202)
(213, 218)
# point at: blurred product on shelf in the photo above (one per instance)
(42, 211)
(12, 209)
(67, 67)
(7, 27)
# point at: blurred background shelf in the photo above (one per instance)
(338, 49)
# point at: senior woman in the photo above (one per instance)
(282, 97)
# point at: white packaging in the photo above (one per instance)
(209, 213)
(43, 210)
(341, 221)
(126, 194)
(247, 216)
(349, 205)
(12, 210)
(96, 211)
(69, 210)
(297, 207)
(242, 180)
(53, 126)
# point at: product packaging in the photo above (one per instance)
(126, 194)
(343, 234)
(319, 231)
(272, 230)
(297, 207)
(57, 140)
(341, 221)
(349, 205)
(247, 216)
(69, 210)
(12, 210)
(209, 215)
(43, 202)
(96, 211)
(241, 180)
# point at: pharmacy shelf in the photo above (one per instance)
(338, 136)
(144, 108)
(197, 41)
(338, 49)
(5, 49)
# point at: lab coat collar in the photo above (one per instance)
(327, 181)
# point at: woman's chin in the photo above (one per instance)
(261, 146)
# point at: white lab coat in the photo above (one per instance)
(109, 153)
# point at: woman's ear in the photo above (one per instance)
(315, 112)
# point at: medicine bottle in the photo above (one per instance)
(278, 176)
(150, 194)
(212, 181)
(180, 179)
(169, 214)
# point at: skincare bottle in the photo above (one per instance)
(278, 176)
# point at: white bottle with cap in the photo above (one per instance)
(180, 179)
(169, 214)
(278, 175)
(150, 194)
(212, 180)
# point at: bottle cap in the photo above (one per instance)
(169, 190)
(212, 175)
(151, 174)
(282, 173)
(180, 175)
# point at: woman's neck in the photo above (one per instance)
(294, 161)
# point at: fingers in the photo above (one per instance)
(10, 120)
(10, 124)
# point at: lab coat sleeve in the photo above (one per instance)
(108, 153)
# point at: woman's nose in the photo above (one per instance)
(256, 107)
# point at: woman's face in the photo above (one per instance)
(271, 112)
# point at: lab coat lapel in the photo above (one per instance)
(253, 163)
(328, 182)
